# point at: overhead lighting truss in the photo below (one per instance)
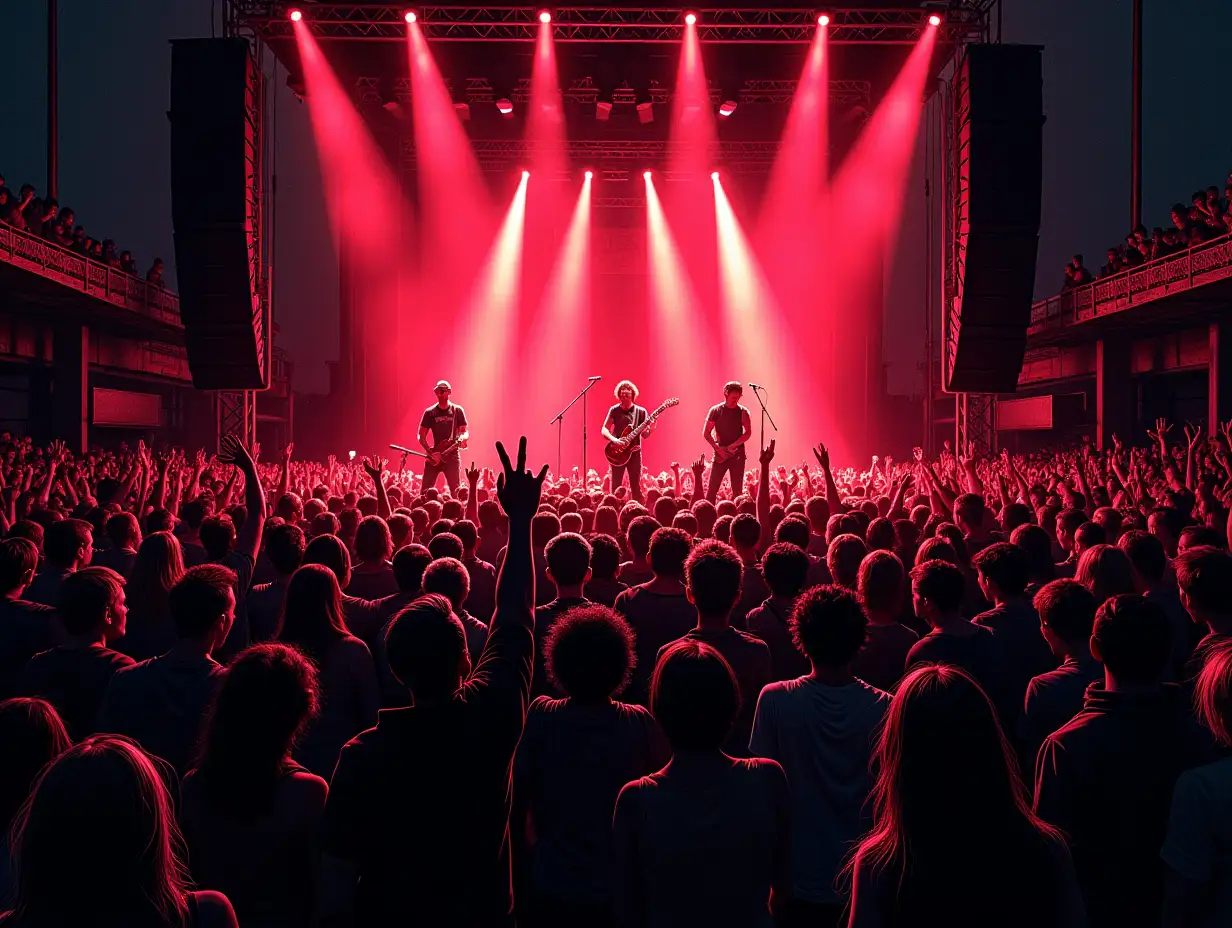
(377, 22)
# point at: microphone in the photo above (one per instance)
(755, 386)
(593, 379)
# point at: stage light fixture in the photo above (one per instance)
(726, 108)
(823, 20)
(690, 19)
(934, 20)
(645, 112)
(646, 175)
(714, 175)
(505, 105)
(603, 110)
(589, 175)
(410, 16)
(463, 110)
(545, 17)
(526, 175)
(295, 15)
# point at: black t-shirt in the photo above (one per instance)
(622, 419)
(444, 423)
(982, 655)
(25, 630)
(728, 424)
(74, 681)
(656, 619)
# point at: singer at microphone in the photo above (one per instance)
(593, 379)
(728, 427)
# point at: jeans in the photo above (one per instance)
(450, 466)
(634, 468)
(734, 466)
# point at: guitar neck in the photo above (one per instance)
(646, 424)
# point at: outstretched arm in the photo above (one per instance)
(763, 497)
(823, 460)
(249, 539)
(284, 482)
(472, 497)
(375, 468)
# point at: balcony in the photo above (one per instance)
(1185, 287)
(80, 281)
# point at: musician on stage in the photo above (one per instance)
(728, 427)
(446, 423)
(626, 414)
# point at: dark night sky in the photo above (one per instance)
(114, 140)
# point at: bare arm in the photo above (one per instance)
(823, 460)
(249, 539)
(763, 497)
(375, 468)
(284, 481)
(472, 497)
(607, 429)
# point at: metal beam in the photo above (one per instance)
(758, 25)
(742, 157)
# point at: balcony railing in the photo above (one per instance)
(91, 277)
(1176, 273)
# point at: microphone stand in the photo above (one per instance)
(559, 421)
(765, 414)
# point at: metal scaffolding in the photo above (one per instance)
(380, 22)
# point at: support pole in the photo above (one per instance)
(1135, 131)
(53, 103)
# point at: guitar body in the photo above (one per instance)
(443, 450)
(618, 455)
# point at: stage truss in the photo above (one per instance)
(380, 22)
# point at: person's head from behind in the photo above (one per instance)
(409, 566)
(92, 604)
(100, 815)
(846, 554)
(312, 611)
(373, 543)
(28, 529)
(969, 512)
(1003, 571)
(67, 544)
(785, 568)
(123, 531)
(217, 536)
(638, 535)
(713, 575)
(1202, 536)
(330, 551)
(202, 605)
(467, 533)
(1037, 544)
(881, 584)
(669, 549)
(19, 560)
(1213, 693)
(945, 769)
(568, 558)
(31, 735)
(158, 566)
(544, 526)
(267, 696)
(1204, 578)
(1087, 536)
(426, 648)
(1147, 557)
(694, 697)
(1067, 614)
(589, 653)
(446, 544)
(448, 577)
(1105, 571)
(604, 557)
(937, 590)
(829, 626)
(1068, 523)
(745, 532)
(284, 546)
(1132, 639)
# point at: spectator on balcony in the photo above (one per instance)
(10, 212)
(1114, 263)
(1180, 219)
(1133, 257)
(1076, 273)
(155, 274)
(127, 264)
(1159, 244)
(96, 251)
(111, 257)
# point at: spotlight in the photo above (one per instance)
(690, 19)
(726, 108)
(296, 15)
(645, 112)
(526, 175)
(545, 17)
(505, 105)
(589, 175)
(823, 20)
(714, 175)
(603, 110)
(934, 20)
(646, 175)
(463, 110)
(410, 16)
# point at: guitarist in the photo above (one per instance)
(728, 427)
(446, 423)
(626, 415)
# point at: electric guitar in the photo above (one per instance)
(619, 452)
(721, 454)
(443, 450)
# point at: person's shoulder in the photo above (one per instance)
(764, 769)
(116, 659)
(213, 910)
(305, 788)
(352, 645)
(752, 642)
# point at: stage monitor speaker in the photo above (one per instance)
(216, 104)
(998, 121)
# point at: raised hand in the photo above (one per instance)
(472, 474)
(374, 467)
(767, 454)
(518, 490)
(1193, 434)
(286, 452)
(233, 451)
(822, 455)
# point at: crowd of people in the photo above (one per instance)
(964, 691)
(43, 217)
(1207, 217)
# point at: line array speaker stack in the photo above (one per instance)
(999, 119)
(216, 170)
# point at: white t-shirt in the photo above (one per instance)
(1199, 841)
(823, 736)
